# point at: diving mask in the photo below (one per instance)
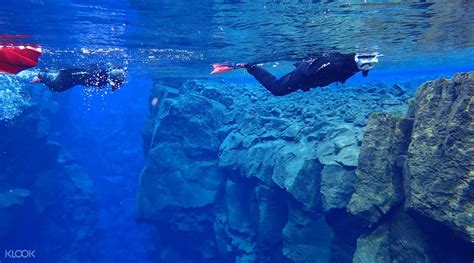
(366, 61)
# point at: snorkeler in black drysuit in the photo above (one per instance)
(316, 72)
(93, 76)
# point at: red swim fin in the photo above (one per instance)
(16, 58)
(219, 68)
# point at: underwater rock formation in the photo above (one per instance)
(234, 174)
(414, 188)
(440, 170)
(46, 200)
(337, 185)
(254, 178)
(379, 171)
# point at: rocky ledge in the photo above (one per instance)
(415, 183)
(236, 175)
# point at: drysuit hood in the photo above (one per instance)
(116, 77)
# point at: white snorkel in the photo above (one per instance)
(366, 61)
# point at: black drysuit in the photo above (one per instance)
(317, 72)
(65, 79)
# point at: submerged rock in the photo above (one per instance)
(385, 142)
(398, 239)
(337, 186)
(188, 172)
(397, 90)
(306, 237)
(252, 178)
(299, 175)
(414, 188)
(348, 156)
(440, 175)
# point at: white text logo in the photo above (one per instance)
(20, 253)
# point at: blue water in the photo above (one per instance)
(101, 131)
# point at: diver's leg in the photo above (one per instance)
(57, 81)
(278, 87)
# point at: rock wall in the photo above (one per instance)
(46, 199)
(414, 190)
(234, 174)
(440, 170)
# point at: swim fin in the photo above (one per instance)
(16, 58)
(220, 68)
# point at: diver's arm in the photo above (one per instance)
(302, 68)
